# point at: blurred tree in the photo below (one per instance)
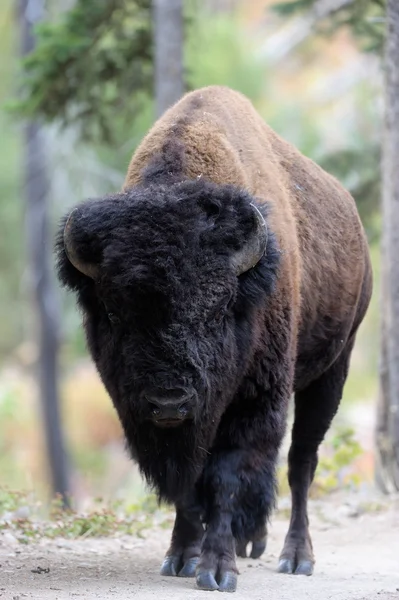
(42, 286)
(11, 214)
(93, 63)
(220, 6)
(388, 409)
(365, 19)
(168, 53)
(358, 168)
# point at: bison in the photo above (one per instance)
(229, 273)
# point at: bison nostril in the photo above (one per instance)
(155, 410)
(183, 410)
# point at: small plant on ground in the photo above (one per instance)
(104, 520)
(336, 467)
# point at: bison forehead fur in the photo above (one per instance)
(229, 273)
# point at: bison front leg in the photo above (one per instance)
(217, 569)
(184, 551)
(239, 493)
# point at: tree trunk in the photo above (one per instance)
(220, 6)
(388, 410)
(39, 247)
(168, 53)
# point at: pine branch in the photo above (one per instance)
(94, 63)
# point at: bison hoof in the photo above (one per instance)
(303, 567)
(257, 550)
(227, 581)
(173, 566)
(206, 581)
(189, 567)
(297, 555)
(170, 566)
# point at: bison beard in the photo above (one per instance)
(229, 273)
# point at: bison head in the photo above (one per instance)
(165, 277)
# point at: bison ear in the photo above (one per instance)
(78, 243)
(255, 246)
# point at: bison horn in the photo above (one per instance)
(255, 248)
(88, 269)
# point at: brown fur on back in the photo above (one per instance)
(325, 269)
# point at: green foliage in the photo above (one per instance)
(357, 165)
(365, 18)
(286, 9)
(92, 64)
(333, 471)
(13, 417)
(359, 172)
(335, 468)
(105, 519)
(11, 500)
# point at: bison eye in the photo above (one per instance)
(113, 317)
(223, 308)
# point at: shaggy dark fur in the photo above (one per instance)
(167, 311)
(156, 244)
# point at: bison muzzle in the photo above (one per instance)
(230, 273)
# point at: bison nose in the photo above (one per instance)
(171, 405)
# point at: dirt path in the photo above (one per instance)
(357, 559)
